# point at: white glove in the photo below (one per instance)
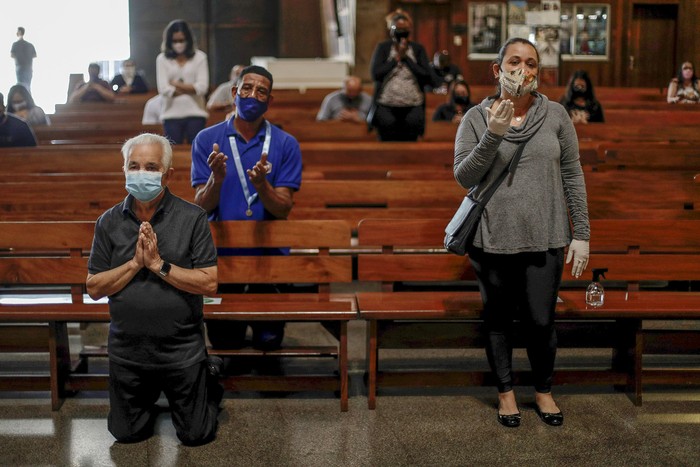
(498, 121)
(578, 250)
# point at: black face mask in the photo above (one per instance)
(461, 100)
(399, 34)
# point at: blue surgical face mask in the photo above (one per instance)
(144, 185)
(249, 108)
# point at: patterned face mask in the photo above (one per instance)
(517, 83)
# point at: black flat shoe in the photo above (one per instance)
(552, 419)
(510, 421)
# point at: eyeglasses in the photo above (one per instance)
(259, 92)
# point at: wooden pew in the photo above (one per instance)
(611, 194)
(55, 254)
(446, 311)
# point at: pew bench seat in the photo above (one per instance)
(430, 300)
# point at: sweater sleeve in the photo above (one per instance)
(573, 180)
(475, 149)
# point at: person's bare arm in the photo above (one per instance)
(199, 281)
(207, 196)
(109, 282)
(277, 200)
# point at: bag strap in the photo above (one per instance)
(510, 169)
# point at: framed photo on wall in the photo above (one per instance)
(487, 29)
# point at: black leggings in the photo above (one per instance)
(399, 123)
(520, 286)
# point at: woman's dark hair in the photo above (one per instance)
(26, 95)
(451, 90)
(589, 95)
(693, 79)
(177, 25)
(502, 53)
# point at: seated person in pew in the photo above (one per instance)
(14, 131)
(444, 73)
(221, 98)
(21, 103)
(349, 104)
(247, 169)
(153, 111)
(580, 101)
(684, 88)
(154, 257)
(457, 105)
(129, 81)
(95, 90)
(519, 248)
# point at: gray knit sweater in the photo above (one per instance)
(529, 211)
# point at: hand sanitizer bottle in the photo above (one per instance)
(595, 294)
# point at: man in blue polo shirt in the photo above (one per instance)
(247, 169)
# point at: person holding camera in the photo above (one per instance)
(400, 70)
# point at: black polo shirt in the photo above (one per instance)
(153, 324)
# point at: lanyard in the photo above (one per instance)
(250, 199)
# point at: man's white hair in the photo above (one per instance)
(150, 138)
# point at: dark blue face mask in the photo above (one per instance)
(249, 108)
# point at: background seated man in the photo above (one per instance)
(95, 90)
(349, 104)
(444, 73)
(222, 98)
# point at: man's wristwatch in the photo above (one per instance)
(164, 269)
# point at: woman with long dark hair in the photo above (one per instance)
(580, 101)
(684, 87)
(21, 104)
(182, 72)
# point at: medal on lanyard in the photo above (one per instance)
(250, 199)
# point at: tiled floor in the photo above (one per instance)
(436, 427)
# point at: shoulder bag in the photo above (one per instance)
(461, 230)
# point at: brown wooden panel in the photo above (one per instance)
(46, 235)
(648, 267)
(296, 234)
(647, 235)
(403, 233)
(411, 267)
(43, 270)
(24, 338)
(281, 269)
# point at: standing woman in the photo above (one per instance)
(182, 73)
(400, 70)
(518, 251)
(684, 88)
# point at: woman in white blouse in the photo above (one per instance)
(182, 72)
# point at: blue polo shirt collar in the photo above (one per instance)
(231, 131)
